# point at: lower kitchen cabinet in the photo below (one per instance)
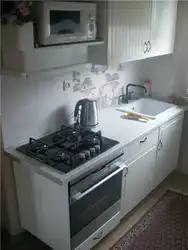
(139, 180)
(43, 207)
(168, 149)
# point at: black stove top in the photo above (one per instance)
(67, 148)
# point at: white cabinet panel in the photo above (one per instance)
(43, 207)
(129, 26)
(139, 180)
(168, 150)
(163, 23)
(136, 30)
(134, 148)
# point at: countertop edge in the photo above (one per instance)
(61, 178)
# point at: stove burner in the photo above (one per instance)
(67, 148)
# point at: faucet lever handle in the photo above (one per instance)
(130, 95)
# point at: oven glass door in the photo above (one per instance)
(90, 206)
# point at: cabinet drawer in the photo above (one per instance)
(141, 144)
(100, 233)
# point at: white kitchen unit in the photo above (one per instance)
(168, 149)
(136, 30)
(55, 206)
(43, 207)
(153, 164)
(139, 179)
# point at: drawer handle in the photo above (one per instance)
(145, 139)
(149, 43)
(160, 145)
(145, 47)
(98, 237)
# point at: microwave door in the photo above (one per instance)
(64, 22)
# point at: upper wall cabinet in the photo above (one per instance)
(163, 23)
(135, 30)
(128, 30)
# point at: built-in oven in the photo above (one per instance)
(94, 199)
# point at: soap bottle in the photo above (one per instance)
(147, 85)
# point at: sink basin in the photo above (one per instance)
(185, 99)
(146, 107)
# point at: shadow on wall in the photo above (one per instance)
(57, 118)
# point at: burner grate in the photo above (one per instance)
(67, 148)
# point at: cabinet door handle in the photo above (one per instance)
(160, 146)
(149, 43)
(99, 236)
(145, 139)
(145, 47)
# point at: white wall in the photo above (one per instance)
(39, 105)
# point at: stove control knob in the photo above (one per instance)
(97, 148)
(92, 151)
(82, 156)
(87, 153)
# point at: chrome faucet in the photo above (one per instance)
(128, 96)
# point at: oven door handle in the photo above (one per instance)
(79, 195)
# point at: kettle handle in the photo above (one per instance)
(78, 104)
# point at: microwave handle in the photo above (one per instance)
(79, 195)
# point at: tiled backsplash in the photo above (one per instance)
(97, 82)
(43, 102)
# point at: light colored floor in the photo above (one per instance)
(176, 181)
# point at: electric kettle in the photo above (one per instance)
(86, 113)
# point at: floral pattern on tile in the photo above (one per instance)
(75, 76)
(114, 84)
(98, 69)
(106, 95)
(111, 77)
(97, 82)
(77, 87)
(121, 67)
(85, 85)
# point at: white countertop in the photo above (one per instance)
(112, 125)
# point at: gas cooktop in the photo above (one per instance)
(67, 148)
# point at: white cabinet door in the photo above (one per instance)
(128, 30)
(163, 23)
(135, 30)
(168, 150)
(138, 180)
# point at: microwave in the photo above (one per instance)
(66, 22)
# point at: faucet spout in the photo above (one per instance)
(128, 95)
(135, 85)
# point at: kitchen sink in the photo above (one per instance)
(146, 107)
